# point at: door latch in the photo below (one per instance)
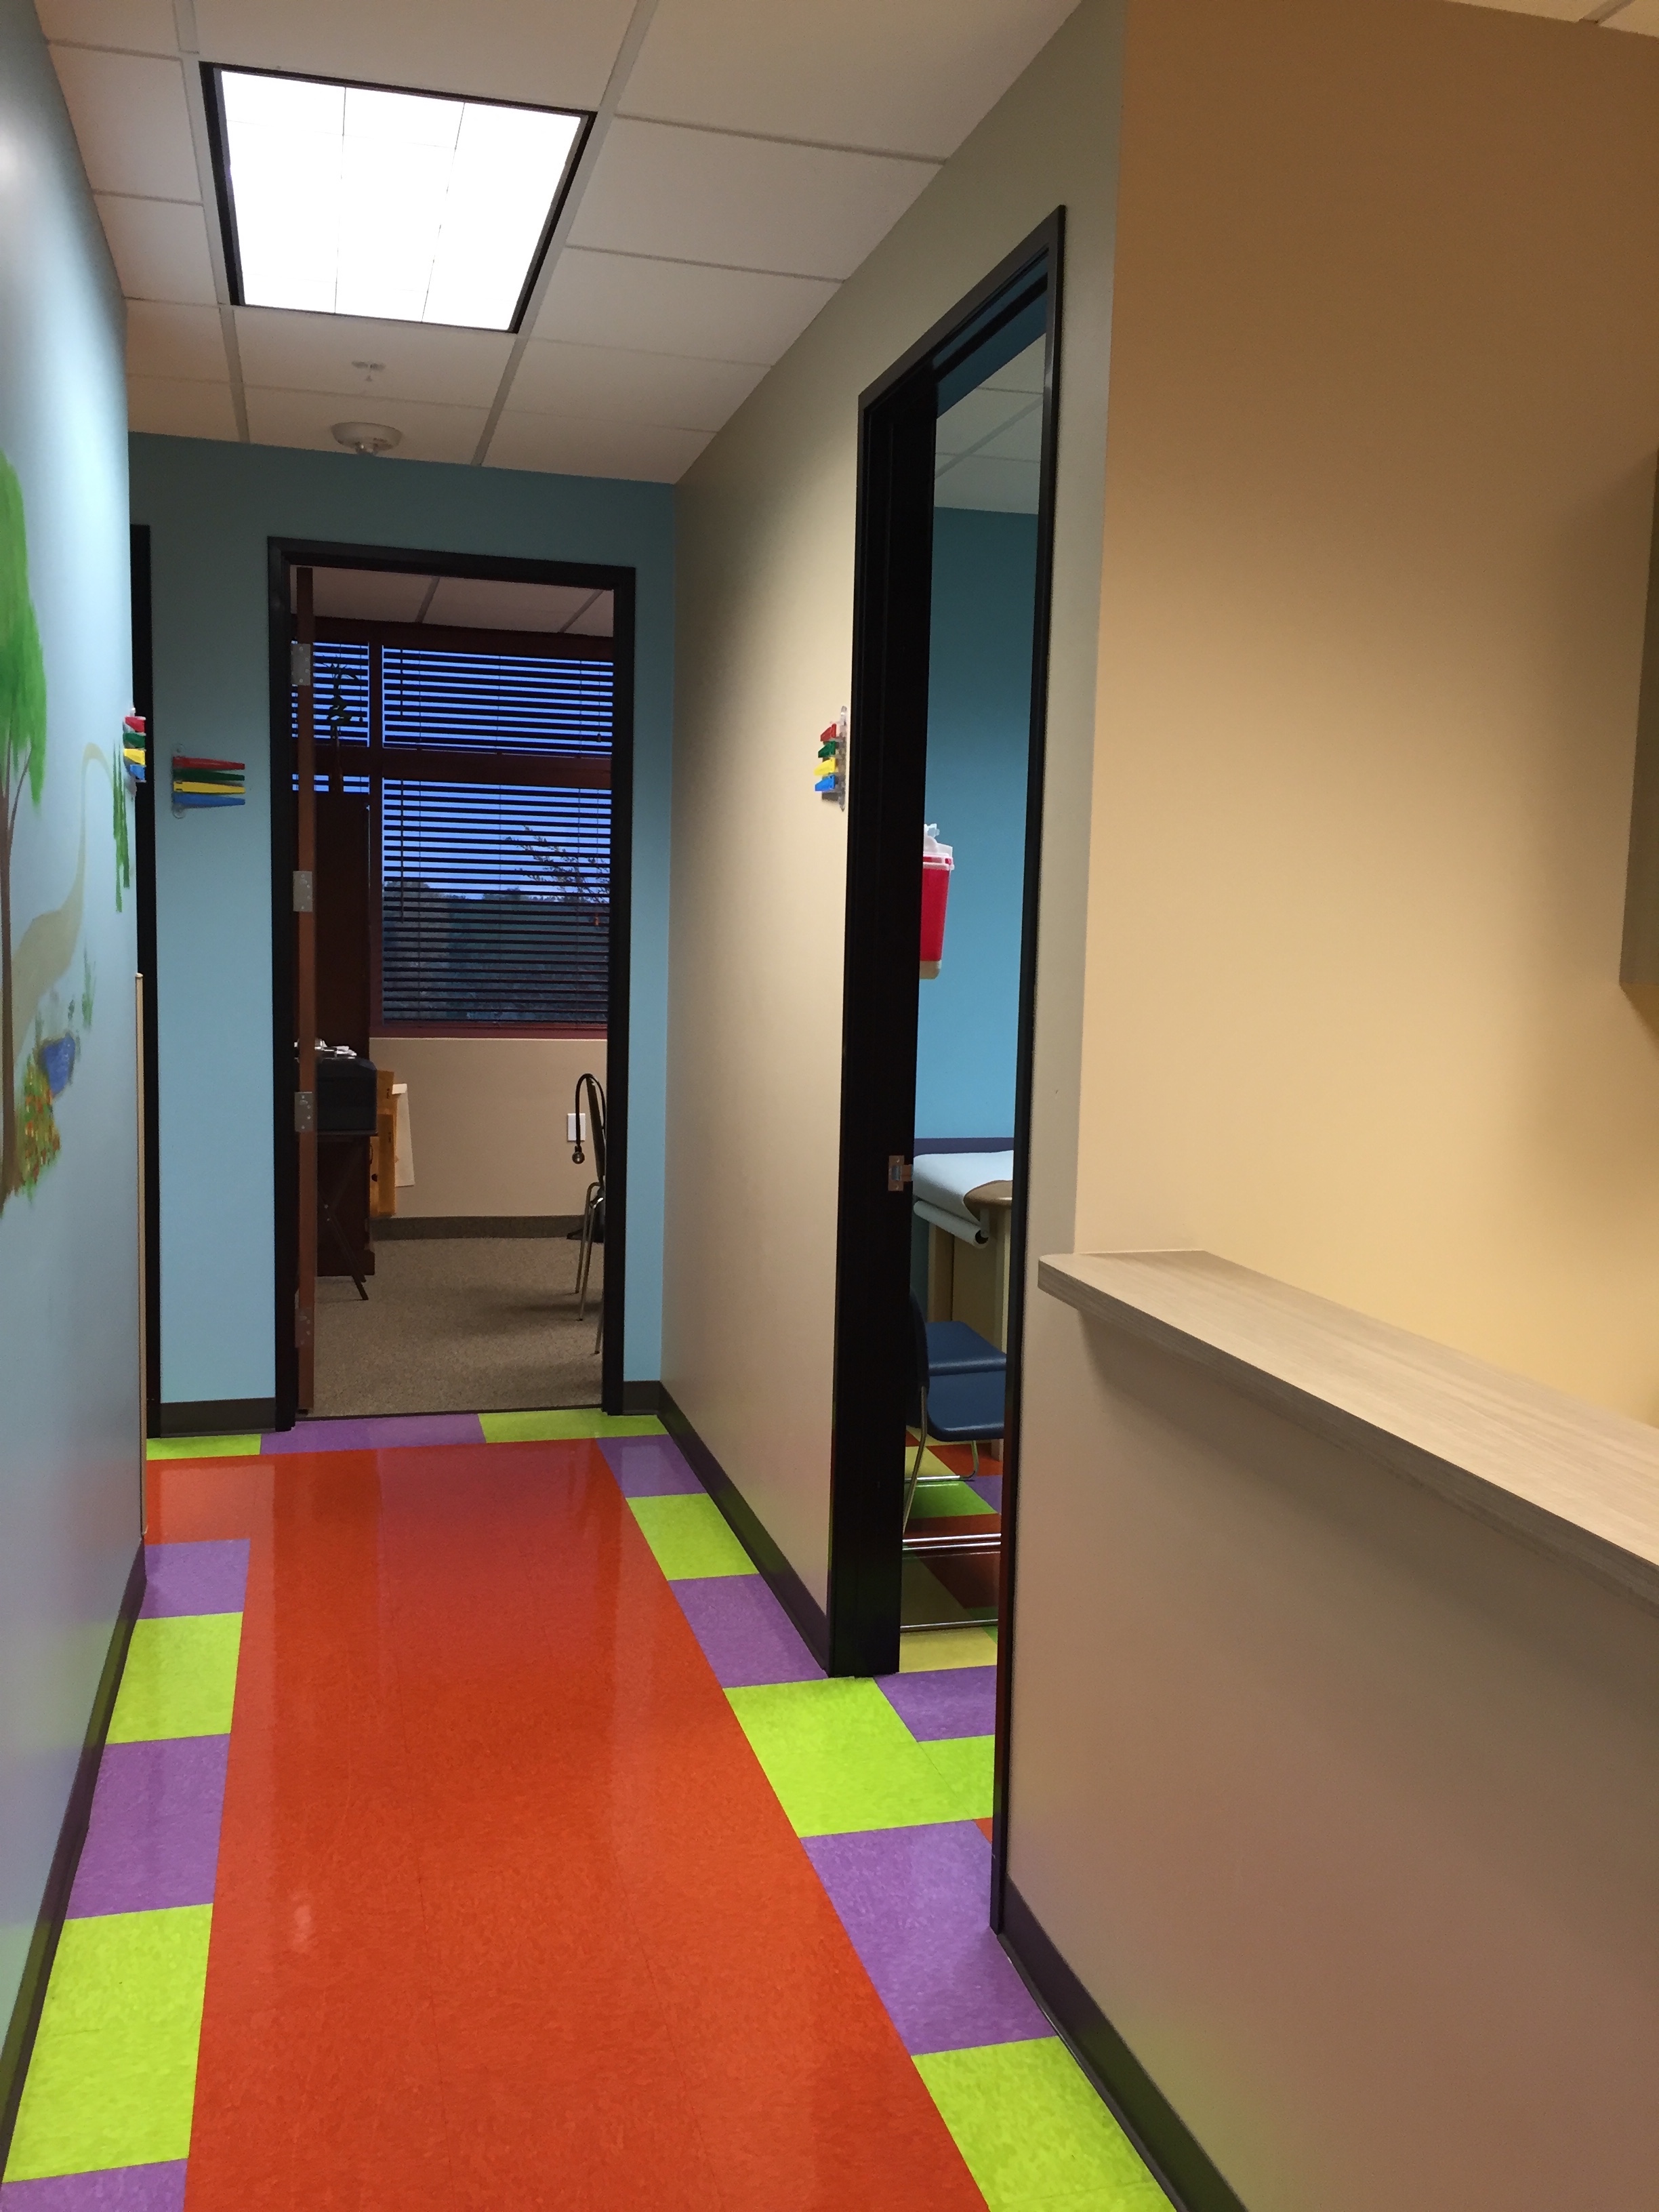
(305, 1111)
(299, 666)
(898, 1171)
(304, 888)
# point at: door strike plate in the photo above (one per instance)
(305, 1111)
(898, 1171)
(299, 666)
(304, 891)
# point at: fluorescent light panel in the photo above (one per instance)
(349, 201)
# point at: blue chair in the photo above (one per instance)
(956, 1404)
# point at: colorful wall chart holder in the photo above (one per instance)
(135, 746)
(207, 782)
(831, 783)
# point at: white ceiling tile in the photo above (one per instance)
(978, 416)
(1562, 11)
(610, 383)
(1005, 487)
(599, 620)
(566, 445)
(1021, 441)
(160, 249)
(143, 27)
(485, 603)
(1642, 16)
(368, 594)
(553, 53)
(675, 307)
(413, 361)
(913, 79)
(741, 203)
(175, 341)
(178, 408)
(1023, 373)
(306, 418)
(131, 122)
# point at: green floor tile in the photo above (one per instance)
(690, 1537)
(967, 1763)
(112, 2080)
(567, 1424)
(179, 1678)
(840, 1757)
(1035, 2136)
(926, 1650)
(934, 1499)
(202, 1448)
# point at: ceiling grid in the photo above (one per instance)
(744, 160)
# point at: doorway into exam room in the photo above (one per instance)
(462, 731)
(985, 568)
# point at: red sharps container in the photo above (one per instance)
(937, 864)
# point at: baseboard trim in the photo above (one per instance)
(18, 2046)
(1183, 2169)
(393, 1228)
(212, 1416)
(643, 1398)
(751, 1531)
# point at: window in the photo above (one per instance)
(488, 773)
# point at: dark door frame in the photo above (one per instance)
(891, 623)
(144, 703)
(284, 554)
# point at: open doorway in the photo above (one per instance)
(450, 807)
(948, 714)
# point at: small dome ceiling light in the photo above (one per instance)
(367, 437)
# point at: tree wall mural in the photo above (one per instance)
(35, 963)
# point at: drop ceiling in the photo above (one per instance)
(745, 159)
(389, 595)
(988, 447)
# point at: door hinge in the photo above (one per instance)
(305, 1111)
(304, 886)
(898, 1171)
(299, 666)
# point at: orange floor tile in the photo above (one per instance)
(507, 1914)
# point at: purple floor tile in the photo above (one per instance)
(182, 1578)
(989, 1488)
(746, 1635)
(954, 1701)
(376, 1432)
(153, 1840)
(116, 2189)
(915, 1902)
(650, 1466)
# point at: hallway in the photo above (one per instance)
(511, 1904)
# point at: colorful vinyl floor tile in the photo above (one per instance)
(105, 2121)
(469, 1667)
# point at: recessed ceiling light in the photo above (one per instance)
(345, 200)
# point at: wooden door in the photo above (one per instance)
(342, 922)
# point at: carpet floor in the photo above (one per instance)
(458, 1324)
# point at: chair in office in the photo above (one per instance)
(590, 1105)
(955, 1404)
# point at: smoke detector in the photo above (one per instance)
(367, 437)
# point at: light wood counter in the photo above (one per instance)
(1564, 1476)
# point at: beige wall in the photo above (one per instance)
(1385, 401)
(1341, 1804)
(487, 1121)
(763, 658)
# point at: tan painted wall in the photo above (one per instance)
(486, 1119)
(1385, 402)
(1342, 1803)
(763, 657)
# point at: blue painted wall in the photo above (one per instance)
(978, 734)
(70, 1436)
(212, 509)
